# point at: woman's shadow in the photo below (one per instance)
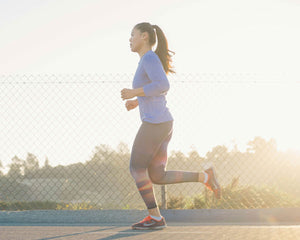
(117, 235)
(127, 233)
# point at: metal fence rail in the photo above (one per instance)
(67, 138)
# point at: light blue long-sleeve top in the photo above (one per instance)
(151, 76)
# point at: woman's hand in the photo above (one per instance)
(131, 93)
(131, 104)
(128, 93)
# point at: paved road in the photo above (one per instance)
(174, 231)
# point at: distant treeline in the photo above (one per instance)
(105, 179)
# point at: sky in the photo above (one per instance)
(254, 43)
(93, 36)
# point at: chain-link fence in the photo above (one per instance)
(66, 140)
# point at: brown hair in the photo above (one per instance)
(162, 50)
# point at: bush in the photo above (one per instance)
(234, 197)
(255, 197)
(199, 202)
(176, 202)
(77, 206)
(47, 205)
(19, 206)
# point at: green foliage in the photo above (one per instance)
(200, 202)
(77, 206)
(106, 180)
(35, 205)
(234, 197)
(176, 202)
(46, 205)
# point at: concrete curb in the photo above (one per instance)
(214, 216)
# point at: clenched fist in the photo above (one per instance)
(128, 93)
(131, 104)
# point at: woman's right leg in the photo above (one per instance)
(158, 174)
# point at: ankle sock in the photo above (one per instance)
(156, 218)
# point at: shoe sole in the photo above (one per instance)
(217, 191)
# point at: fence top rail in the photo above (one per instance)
(192, 78)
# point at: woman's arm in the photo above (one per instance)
(131, 93)
(159, 81)
(139, 92)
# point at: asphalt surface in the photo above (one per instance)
(174, 231)
(239, 216)
(219, 224)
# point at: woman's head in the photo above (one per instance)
(145, 33)
(141, 38)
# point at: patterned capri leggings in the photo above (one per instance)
(149, 159)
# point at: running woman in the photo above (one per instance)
(148, 159)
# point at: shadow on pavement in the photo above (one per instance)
(74, 234)
(127, 233)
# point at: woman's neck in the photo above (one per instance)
(143, 51)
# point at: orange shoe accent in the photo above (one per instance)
(148, 218)
(212, 183)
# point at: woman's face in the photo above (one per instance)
(136, 40)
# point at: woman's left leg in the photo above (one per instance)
(147, 142)
(158, 174)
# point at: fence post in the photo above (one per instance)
(164, 197)
(206, 200)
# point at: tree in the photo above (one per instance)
(263, 150)
(122, 148)
(16, 168)
(47, 164)
(217, 154)
(259, 145)
(1, 166)
(31, 164)
(194, 155)
(102, 153)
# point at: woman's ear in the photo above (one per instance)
(145, 35)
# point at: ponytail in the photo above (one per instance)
(162, 50)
